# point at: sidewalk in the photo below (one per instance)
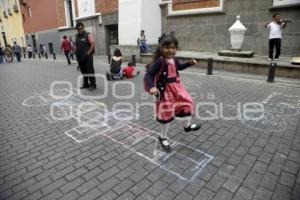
(284, 61)
(256, 59)
(255, 65)
(202, 71)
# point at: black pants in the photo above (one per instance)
(87, 67)
(277, 43)
(67, 53)
(18, 55)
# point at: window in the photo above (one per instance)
(69, 13)
(23, 16)
(3, 5)
(194, 4)
(187, 7)
(29, 12)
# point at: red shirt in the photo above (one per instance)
(66, 45)
(128, 71)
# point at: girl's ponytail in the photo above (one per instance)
(157, 53)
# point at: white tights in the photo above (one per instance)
(165, 127)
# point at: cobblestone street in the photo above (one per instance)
(105, 146)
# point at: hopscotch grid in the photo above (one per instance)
(136, 135)
(199, 165)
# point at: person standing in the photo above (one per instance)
(73, 48)
(276, 27)
(17, 51)
(8, 54)
(163, 80)
(66, 47)
(1, 54)
(29, 51)
(85, 45)
(42, 50)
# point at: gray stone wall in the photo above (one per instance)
(209, 32)
(127, 51)
(109, 19)
(46, 37)
(68, 32)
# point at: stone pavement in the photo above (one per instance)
(83, 152)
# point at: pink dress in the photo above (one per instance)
(176, 101)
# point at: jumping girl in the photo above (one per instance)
(162, 79)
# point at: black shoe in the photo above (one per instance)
(108, 77)
(84, 87)
(188, 129)
(167, 148)
(92, 88)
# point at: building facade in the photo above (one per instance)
(200, 25)
(100, 17)
(11, 23)
(40, 23)
(203, 25)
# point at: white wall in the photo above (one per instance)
(151, 20)
(137, 15)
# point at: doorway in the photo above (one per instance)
(112, 36)
(51, 48)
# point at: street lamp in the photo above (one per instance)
(237, 33)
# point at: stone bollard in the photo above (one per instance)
(33, 55)
(209, 66)
(272, 70)
(46, 55)
(39, 55)
(133, 60)
(54, 56)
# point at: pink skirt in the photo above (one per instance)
(176, 102)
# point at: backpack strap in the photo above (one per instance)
(161, 66)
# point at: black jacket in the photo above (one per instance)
(162, 80)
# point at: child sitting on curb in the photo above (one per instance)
(128, 71)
